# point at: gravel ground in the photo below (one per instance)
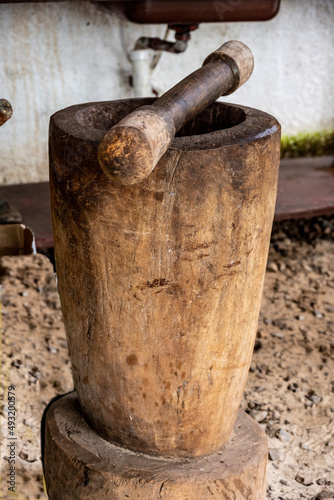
(290, 389)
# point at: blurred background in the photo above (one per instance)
(56, 54)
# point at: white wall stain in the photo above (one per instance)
(54, 55)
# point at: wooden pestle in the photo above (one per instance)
(130, 150)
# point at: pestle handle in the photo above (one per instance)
(130, 150)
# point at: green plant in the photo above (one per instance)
(308, 144)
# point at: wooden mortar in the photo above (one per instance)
(160, 282)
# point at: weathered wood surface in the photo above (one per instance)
(132, 148)
(305, 189)
(79, 464)
(161, 282)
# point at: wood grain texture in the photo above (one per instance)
(80, 465)
(132, 148)
(161, 282)
(238, 57)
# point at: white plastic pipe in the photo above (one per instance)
(141, 72)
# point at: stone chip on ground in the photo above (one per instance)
(325, 495)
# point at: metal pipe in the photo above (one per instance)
(146, 42)
(141, 72)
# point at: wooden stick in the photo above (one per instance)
(6, 111)
(132, 148)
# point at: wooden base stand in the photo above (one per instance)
(80, 464)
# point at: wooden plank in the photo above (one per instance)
(305, 189)
(32, 200)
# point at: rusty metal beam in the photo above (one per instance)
(194, 11)
(186, 11)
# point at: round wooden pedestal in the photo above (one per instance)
(80, 464)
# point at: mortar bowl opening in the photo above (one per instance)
(218, 116)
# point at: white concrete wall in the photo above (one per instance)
(57, 54)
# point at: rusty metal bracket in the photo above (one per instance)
(182, 37)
